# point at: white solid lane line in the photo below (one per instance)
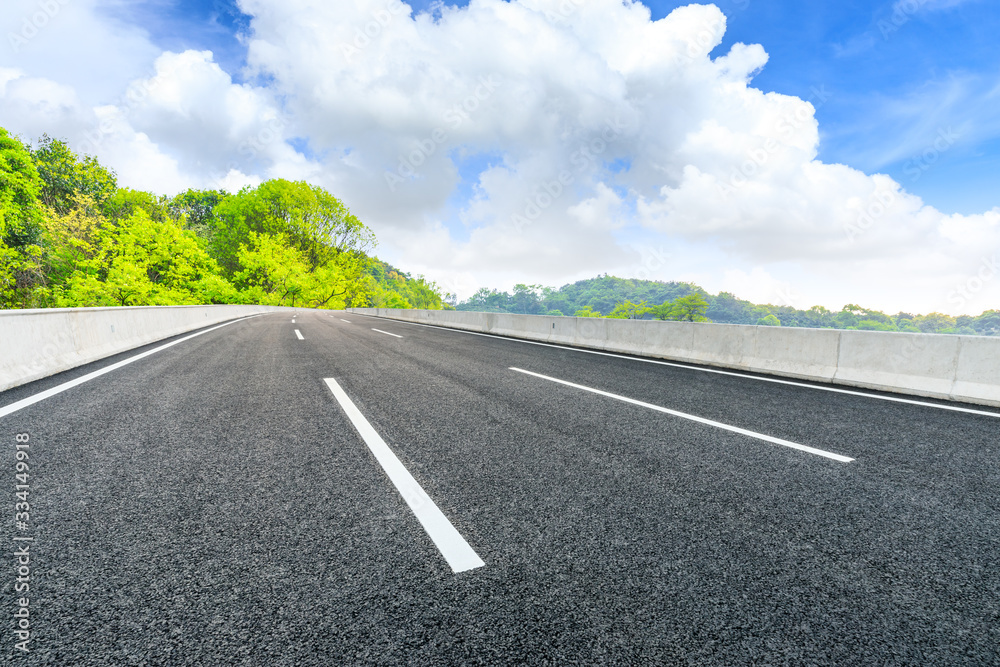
(658, 362)
(386, 333)
(449, 541)
(299, 334)
(48, 393)
(700, 420)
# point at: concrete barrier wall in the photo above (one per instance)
(38, 343)
(958, 368)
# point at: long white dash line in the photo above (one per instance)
(343, 320)
(386, 333)
(700, 420)
(449, 541)
(715, 371)
(49, 393)
(299, 334)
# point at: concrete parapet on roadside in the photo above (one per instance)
(37, 343)
(957, 368)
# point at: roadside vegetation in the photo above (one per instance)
(622, 298)
(70, 236)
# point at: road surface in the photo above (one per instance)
(344, 490)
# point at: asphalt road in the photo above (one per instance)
(213, 503)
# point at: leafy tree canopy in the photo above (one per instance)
(310, 218)
(20, 189)
(66, 176)
(141, 262)
(69, 236)
(21, 217)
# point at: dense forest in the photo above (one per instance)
(607, 296)
(70, 236)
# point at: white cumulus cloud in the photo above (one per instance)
(528, 141)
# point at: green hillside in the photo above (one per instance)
(608, 296)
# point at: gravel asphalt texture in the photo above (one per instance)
(212, 505)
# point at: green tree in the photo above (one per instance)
(876, 325)
(934, 323)
(690, 308)
(20, 224)
(139, 262)
(629, 311)
(526, 300)
(65, 176)
(308, 217)
(125, 202)
(71, 239)
(419, 292)
(664, 311)
(328, 241)
(587, 312)
(197, 209)
(388, 287)
(487, 300)
(988, 324)
(728, 309)
(769, 321)
(272, 272)
(818, 317)
(848, 317)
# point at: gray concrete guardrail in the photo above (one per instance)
(957, 368)
(37, 343)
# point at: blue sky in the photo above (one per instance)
(883, 191)
(178, 25)
(886, 83)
